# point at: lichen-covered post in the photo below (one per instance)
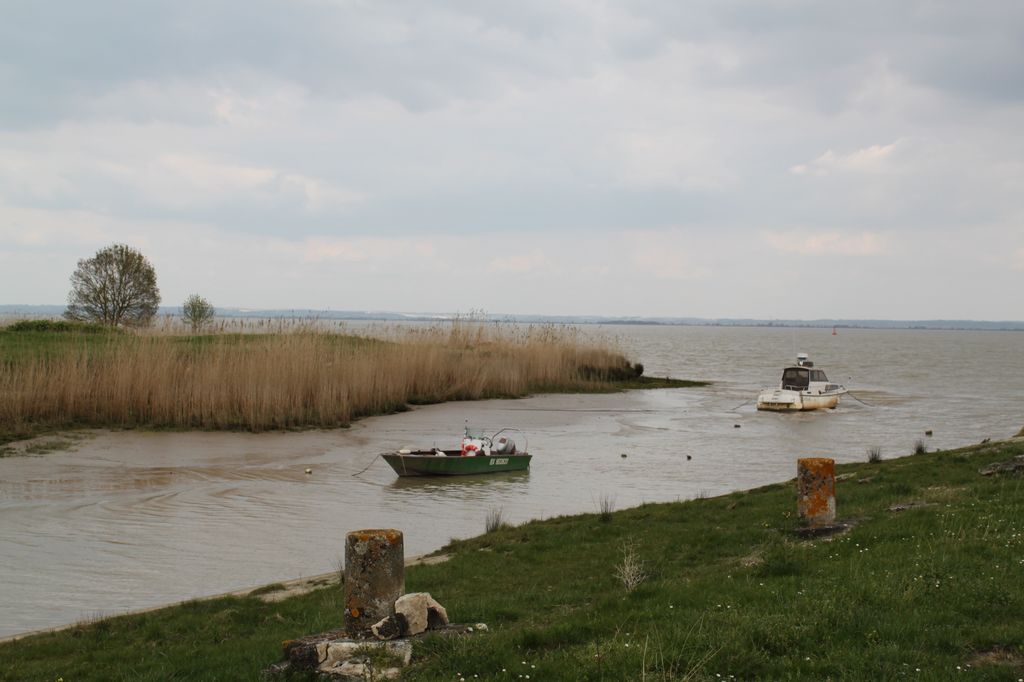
(816, 490)
(374, 577)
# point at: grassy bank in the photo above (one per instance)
(728, 591)
(55, 376)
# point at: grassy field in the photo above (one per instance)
(58, 376)
(728, 590)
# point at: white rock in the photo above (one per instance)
(439, 612)
(401, 650)
(336, 653)
(420, 611)
(351, 669)
(388, 627)
(413, 608)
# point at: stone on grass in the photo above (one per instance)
(335, 653)
(1012, 466)
(420, 611)
(437, 615)
(351, 669)
(388, 628)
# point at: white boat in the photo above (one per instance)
(802, 388)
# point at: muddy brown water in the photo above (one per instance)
(128, 520)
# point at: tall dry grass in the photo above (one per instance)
(299, 377)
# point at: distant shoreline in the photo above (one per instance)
(21, 311)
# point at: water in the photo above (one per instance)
(128, 520)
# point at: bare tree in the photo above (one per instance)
(197, 311)
(117, 286)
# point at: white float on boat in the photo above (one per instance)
(802, 388)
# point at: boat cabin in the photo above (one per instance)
(800, 378)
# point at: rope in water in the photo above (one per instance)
(740, 405)
(372, 461)
(850, 393)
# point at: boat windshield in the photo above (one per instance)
(795, 378)
(818, 375)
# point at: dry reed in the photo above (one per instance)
(300, 376)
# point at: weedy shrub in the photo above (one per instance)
(605, 507)
(919, 447)
(630, 571)
(874, 454)
(495, 521)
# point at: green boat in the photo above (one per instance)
(452, 463)
(478, 455)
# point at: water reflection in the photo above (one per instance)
(499, 483)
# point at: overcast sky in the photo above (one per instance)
(726, 158)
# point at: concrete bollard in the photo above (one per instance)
(374, 577)
(816, 490)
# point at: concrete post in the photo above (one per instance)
(374, 577)
(816, 490)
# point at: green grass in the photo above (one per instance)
(730, 590)
(30, 344)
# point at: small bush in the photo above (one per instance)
(605, 507)
(58, 326)
(495, 521)
(197, 312)
(919, 447)
(631, 571)
(874, 454)
(622, 371)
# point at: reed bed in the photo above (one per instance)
(299, 376)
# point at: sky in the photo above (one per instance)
(719, 158)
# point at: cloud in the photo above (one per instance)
(394, 252)
(811, 243)
(866, 160)
(315, 153)
(520, 263)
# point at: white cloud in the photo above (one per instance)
(668, 262)
(866, 160)
(810, 242)
(519, 263)
(335, 154)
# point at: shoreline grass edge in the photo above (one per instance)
(929, 590)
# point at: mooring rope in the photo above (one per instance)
(850, 393)
(741, 405)
(372, 461)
